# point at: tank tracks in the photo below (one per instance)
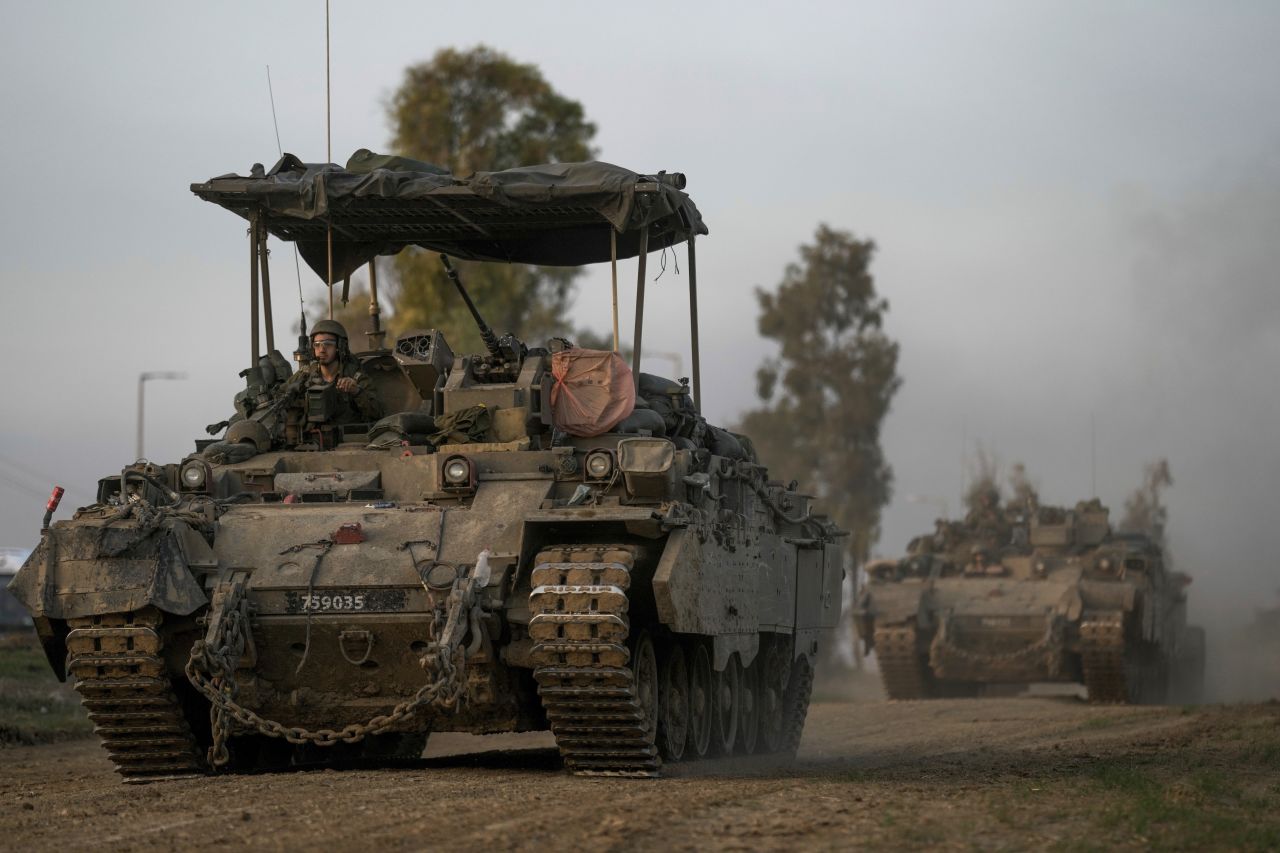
(120, 676)
(798, 694)
(580, 630)
(1102, 657)
(902, 668)
(1111, 674)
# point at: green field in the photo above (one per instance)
(34, 706)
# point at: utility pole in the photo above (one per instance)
(142, 383)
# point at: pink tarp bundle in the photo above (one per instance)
(593, 391)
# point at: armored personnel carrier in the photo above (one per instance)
(533, 538)
(1044, 595)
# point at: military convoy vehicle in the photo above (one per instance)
(1042, 594)
(534, 538)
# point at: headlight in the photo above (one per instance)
(1105, 564)
(599, 464)
(457, 471)
(193, 475)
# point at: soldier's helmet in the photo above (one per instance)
(329, 327)
(332, 327)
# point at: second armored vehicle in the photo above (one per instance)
(1044, 595)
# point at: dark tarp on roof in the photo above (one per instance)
(558, 214)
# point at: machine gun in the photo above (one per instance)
(506, 354)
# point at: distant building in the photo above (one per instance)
(12, 614)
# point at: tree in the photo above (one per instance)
(479, 110)
(826, 393)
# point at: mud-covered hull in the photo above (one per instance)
(952, 636)
(342, 614)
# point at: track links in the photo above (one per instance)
(120, 676)
(1102, 655)
(579, 627)
(902, 667)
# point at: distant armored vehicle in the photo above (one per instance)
(529, 539)
(1047, 595)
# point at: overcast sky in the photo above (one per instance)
(1077, 207)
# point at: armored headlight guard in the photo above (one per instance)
(1108, 566)
(598, 465)
(458, 473)
(194, 476)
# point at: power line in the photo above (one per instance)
(24, 488)
(30, 472)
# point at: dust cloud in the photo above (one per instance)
(1206, 344)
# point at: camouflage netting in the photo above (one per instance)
(557, 214)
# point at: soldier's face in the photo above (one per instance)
(325, 348)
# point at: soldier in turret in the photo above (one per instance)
(355, 400)
(987, 522)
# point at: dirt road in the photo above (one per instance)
(962, 774)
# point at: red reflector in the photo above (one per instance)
(349, 534)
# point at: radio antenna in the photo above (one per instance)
(301, 352)
(1093, 453)
(328, 146)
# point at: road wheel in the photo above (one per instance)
(775, 673)
(701, 705)
(725, 688)
(799, 689)
(749, 707)
(673, 703)
(644, 669)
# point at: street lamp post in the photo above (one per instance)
(142, 382)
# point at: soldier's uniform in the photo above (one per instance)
(987, 523)
(361, 407)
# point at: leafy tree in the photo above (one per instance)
(479, 110)
(826, 393)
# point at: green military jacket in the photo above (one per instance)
(360, 407)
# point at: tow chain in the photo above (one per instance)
(214, 660)
(1045, 650)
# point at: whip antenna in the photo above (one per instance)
(301, 353)
(328, 147)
